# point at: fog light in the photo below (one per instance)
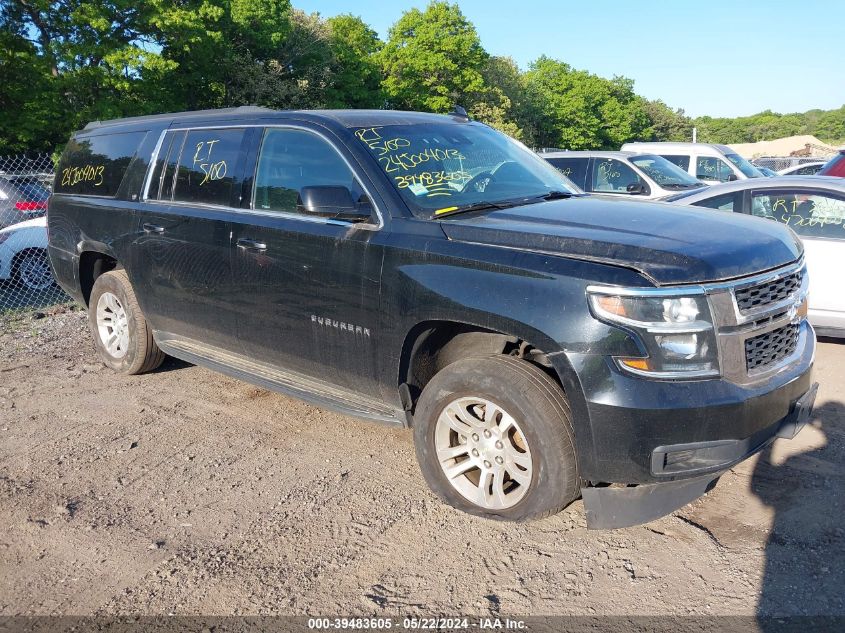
(677, 458)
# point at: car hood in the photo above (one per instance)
(667, 243)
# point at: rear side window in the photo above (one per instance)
(680, 160)
(161, 181)
(573, 168)
(726, 202)
(96, 165)
(206, 172)
(811, 214)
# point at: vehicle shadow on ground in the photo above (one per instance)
(804, 570)
(172, 364)
(830, 339)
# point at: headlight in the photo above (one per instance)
(676, 331)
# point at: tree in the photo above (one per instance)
(831, 126)
(433, 59)
(214, 48)
(577, 110)
(666, 124)
(356, 72)
(27, 98)
(80, 59)
(297, 75)
(499, 101)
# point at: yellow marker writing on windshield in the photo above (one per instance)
(444, 210)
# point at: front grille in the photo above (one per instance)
(771, 347)
(768, 292)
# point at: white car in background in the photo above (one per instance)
(622, 173)
(708, 162)
(23, 255)
(804, 169)
(813, 207)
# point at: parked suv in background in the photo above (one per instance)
(623, 173)
(835, 166)
(708, 162)
(428, 271)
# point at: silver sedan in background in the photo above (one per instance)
(812, 206)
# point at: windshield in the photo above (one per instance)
(442, 167)
(744, 166)
(666, 174)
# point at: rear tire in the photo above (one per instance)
(121, 334)
(494, 438)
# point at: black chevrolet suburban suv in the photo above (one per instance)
(429, 272)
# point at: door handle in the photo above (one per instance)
(152, 228)
(251, 245)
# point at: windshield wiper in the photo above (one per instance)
(556, 195)
(476, 206)
(681, 185)
(502, 204)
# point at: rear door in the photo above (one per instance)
(307, 287)
(180, 259)
(818, 216)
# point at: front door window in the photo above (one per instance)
(613, 176)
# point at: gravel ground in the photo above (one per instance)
(187, 492)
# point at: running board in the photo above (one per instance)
(290, 383)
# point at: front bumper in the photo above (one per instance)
(614, 507)
(622, 421)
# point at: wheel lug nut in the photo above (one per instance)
(486, 433)
(499, 460)
(475, 452)
(499, 445)
(475, 437)
(487, 464)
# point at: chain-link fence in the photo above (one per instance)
(26, 280)
(782, 162)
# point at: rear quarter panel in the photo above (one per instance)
(107, 225)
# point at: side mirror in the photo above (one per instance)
(636, 189)
(732, 177)
(330, 201)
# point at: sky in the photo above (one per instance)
(710, 57)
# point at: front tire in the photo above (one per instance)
(121, 334)
(494, 438)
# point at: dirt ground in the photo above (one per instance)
(187, 492)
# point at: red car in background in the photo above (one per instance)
(835, 166)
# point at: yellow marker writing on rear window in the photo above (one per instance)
(444, 210)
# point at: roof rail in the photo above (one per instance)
(172, 115)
